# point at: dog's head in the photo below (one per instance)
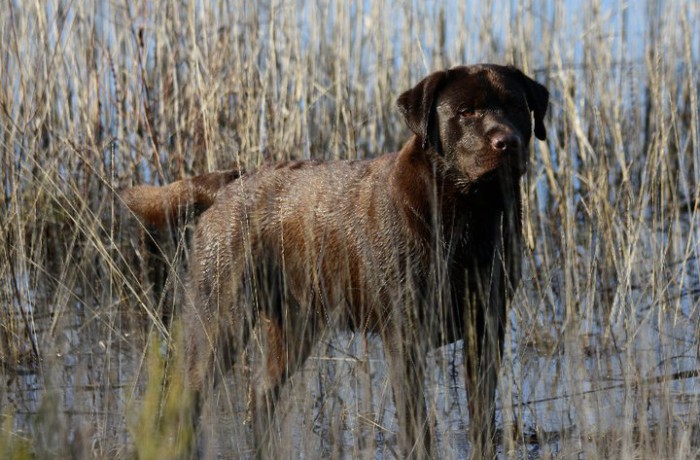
(477, 117)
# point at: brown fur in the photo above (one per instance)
(421, 247)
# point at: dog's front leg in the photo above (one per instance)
(407, 371)
(489, 370)
(483, 346)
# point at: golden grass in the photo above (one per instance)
(99, 95)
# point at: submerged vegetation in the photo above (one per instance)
(601, 358)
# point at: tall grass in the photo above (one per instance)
(94, 96)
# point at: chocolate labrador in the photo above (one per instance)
(422, 247)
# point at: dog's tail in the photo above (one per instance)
(160, 206)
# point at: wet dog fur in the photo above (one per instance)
(422, 247)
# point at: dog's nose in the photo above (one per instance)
(505, 141)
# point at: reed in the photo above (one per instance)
(602, 346)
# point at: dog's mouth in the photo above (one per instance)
(488, 168)
(514, 162)
(487, 163)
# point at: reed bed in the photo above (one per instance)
(601, 358)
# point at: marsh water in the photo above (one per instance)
(561, 389)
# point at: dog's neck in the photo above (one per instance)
(426, 186)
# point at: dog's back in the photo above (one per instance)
(332, 230)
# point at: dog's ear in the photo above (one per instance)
(537, 99)
(416, 104)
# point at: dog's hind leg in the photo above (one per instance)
(208, 364)
(288, 334)
(217, 330)
(264, 388)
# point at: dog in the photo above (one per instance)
(421, 247)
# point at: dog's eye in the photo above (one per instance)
(466, 111)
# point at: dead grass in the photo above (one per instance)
(98, 95)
